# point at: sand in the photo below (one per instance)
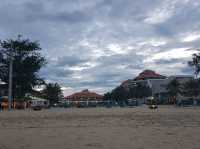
(106, 128)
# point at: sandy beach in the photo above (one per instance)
(107, 128)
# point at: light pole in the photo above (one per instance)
(10, 79)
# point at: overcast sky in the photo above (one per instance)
(97, 44)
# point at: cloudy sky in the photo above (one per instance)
(96, 44)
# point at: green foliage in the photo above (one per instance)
(107, 96)
(120, 94)
(195, 63)
(27, 61)
(173, 88)
(192, 88)
(52, 92)
(140, 91)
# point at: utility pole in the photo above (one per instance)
(10, 79)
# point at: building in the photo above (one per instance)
(84, 98)
(142, 79)
(157, 83)
(149, 74)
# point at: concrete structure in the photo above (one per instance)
(158, 86)
(156, 82)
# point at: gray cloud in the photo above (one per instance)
(71, 60)
(54, 72)
(97, 44)
(170, 61)
(185, 18)
(187, 70)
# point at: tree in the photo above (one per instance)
(107, 96)
(120, 95)
(174, 88)
(27, 61)
(140, 91)
(195, 63)
(52, 92)
(192, 88)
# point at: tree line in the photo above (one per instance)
(121, 94)
(27, 62)
(189, 89)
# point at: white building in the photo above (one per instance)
(158, 86)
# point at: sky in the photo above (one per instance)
(97, 44)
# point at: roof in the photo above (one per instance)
(149, 74)
(85, 94)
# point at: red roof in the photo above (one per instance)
(149, 74)
(84, 95)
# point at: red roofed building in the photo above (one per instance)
(145, 75)
(149, 74)
(84, 96)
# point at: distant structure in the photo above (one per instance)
(156, 82)
(142, 78)
(3, 89)
(84, 95)
(149, 74)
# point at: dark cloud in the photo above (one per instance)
(51, 72)
(66, 17)
(71, 61)
(170, 61)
